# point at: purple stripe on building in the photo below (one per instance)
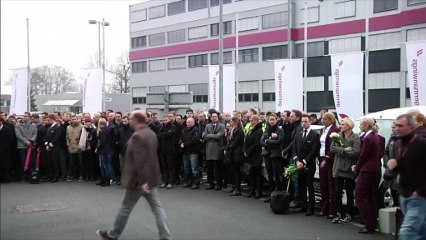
(405, 18)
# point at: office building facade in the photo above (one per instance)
(173, 41)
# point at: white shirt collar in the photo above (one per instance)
(366, 134)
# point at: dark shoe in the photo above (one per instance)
(185, 186)
(104, 235)
(195, 187)
(257, 195)
(210, 187)
(106, 184)
(366, 231)
(251, 194)
(266, 200)
(218, 188)
(235, 193)
(230, 190)
(100, 182)
(309, 214)
(330, 216)
(321, 214)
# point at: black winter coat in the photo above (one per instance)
(234, 148)
(252, 146)
(167, 138)
(106, 141)
(272, 147)
(191, 140)
(124, 134)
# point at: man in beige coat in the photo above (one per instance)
(73, 138)
(141, 178)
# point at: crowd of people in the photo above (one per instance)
(230, 149)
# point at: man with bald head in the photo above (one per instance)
(141, 178)
(190, 148)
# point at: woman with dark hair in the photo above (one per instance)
(253, 153)
(271, 141)
(105, 151)
(234, 150)
(368, 168)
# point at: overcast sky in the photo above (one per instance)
(60, 33)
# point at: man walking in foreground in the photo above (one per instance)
(141, 178)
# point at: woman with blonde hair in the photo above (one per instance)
(420, 120)
(326, 160)
(368, 169)
(346, 155)
(234, 151)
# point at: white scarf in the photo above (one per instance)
(83, 139)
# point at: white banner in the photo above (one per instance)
(347, 80)
(288, 84)
(92, 91)
(416, 67)
(19, 97)
(228, 88)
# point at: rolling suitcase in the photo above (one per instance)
(280, 201)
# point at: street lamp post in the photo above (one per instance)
(103, 23)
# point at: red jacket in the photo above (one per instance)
(372, 149)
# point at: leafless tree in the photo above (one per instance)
(121, 74)
(52, 80)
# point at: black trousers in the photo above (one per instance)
(306, 182)
(228, 176)
(5, 166)
(53, 158)
(274, 168)
(75, 165)
(236, 175)
(254, 178)
(168, 167)
(349, 185)
(88, 165)
(215, 172)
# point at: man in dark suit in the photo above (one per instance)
(52, 143)
(141, 178)
(305, 150)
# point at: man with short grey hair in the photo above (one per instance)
(26, 134)
(142, 176)
(410, 163)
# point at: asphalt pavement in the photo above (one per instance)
(78, 209)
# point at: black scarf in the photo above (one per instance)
(272, 129)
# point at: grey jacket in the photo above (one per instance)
(26, 132)
(213, 139)
(343, 161)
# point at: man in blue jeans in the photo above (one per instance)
(141, 178)
(411, 165)
(190, 148)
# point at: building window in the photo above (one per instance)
(227, 58)
(176, 7)
(157, 39)
(314, 49)
(227, 28)
(157, 89)
(138, 16)
(177, 63)
(248, 55)
(384, 61)
(248, 97)
(196, 4)
(269, 97)
(344, 9)
(276, 52)
(216, 2)
(139, 100)
(248, 24)
(176, 36)
(139, 67)
(313, 15)
(385, 5)
(139, 42)
(198, 32)
(200, 98)
(415, 2)
(157, 65)
(197, 60)
(344, 45)
(274, 20)
(157, 12)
